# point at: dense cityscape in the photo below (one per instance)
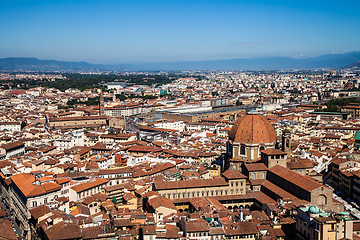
(204, 155)
(179, 120)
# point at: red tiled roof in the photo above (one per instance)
(85, 186)
(25, 183)
(295, 178)
(253, 129)
(255, 167)
(233, 174)
(273, 151)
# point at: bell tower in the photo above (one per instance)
(286, 142)
(101, 104)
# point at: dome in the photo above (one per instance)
(252, 128)
(314, 210)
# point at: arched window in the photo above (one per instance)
(242, 150)
(287, 143)
(262, 148)
(322, 199)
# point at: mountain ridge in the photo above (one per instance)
(328, 61)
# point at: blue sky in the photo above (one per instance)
(110, 31)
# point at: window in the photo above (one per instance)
(242, 150)
(34, 204)
(45, 200)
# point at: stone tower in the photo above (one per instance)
(101, 104)
(286, 142)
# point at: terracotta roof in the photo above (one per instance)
(240, 228)
(255, 167)
(300, 164)
(149, 230)
(157, 202)
(273, 151)
(172, 232)
(85, 186)
(39, 211)
(6, 231)
(233, 174)
(25, 182)
(76, 118)
(92, 232)
(95, 198)
(62, 180)
(115, 171)
(279, 192)
(62, 231)
(295, 178)
(253, 129)
(11, 145)
(140, 148)
(200, 225)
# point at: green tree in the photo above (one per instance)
(239, 103)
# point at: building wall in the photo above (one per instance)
(10, 127)
(235, 187)
(65, 123)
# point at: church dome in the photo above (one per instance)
(253, 128)
(314, 210)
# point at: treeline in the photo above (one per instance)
(334, 105)
(86, 81)
(89, 102)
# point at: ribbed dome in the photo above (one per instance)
(252, 129)
(314, 210)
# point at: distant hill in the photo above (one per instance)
(34, 64)
(330, 61)
(354, 65)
